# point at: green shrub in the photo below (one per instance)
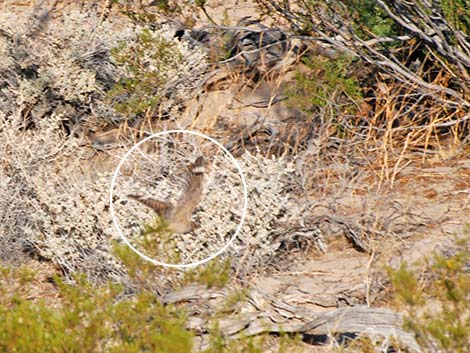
(213, 274)
(440, 314)
(370, 18)
(156, 241)
(457, 13)
(326, 83)
(90, 319)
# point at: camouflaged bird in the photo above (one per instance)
(179, 216)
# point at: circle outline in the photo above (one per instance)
(192, 264)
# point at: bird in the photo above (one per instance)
(178, 216)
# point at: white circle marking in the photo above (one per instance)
(217, 253)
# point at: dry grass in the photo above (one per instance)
(406, 125)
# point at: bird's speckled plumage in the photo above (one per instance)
(179, 215)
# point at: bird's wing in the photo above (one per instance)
(193, 191)
(162, 208)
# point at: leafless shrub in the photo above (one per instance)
(48, 206)
(52, 208)
(162, 176)
(61, 69)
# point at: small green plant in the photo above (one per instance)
(370, 18)
(157, 242)
(440, 314)
(246, 345)
(325, 84)
(257, 344)
(213, 274)
(457, 12)
(15, 281)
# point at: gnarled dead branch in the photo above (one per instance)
(256, 313)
